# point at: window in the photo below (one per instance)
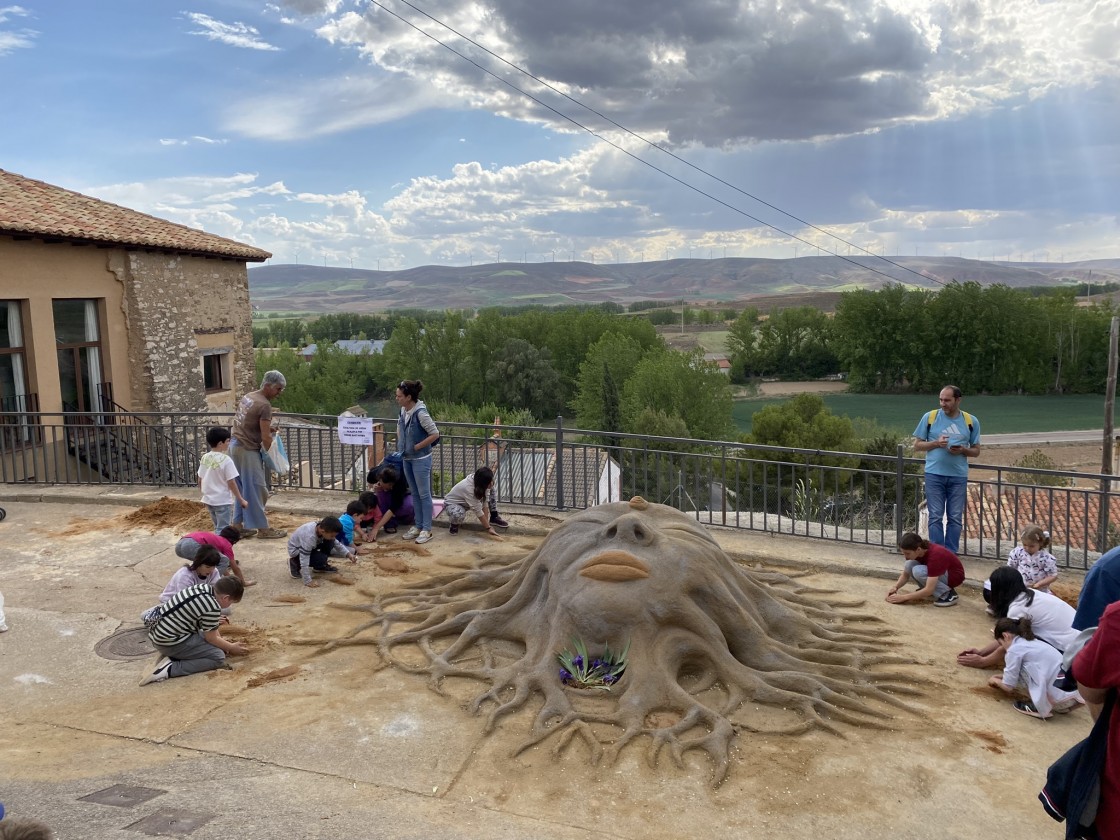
(13, 369)
(78, 339)
(214, 367)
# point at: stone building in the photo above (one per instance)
(102, 307)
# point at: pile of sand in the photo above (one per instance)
(1066, 590)
(177, 514)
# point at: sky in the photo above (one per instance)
(331, 132)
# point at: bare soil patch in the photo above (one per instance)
(785, 389)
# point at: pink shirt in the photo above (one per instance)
(210, 538)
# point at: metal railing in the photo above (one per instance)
(839, 496)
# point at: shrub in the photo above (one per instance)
(1038, 460)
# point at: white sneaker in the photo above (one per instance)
(412, 533)
(1064, 707)
(423, 537)
(3, 628)
(162, 671)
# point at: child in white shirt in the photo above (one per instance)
(217, 478)
(1034, 664)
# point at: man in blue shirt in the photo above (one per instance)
(949, 437)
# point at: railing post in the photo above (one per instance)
(999, 510)
(558, 472)
(899, 494)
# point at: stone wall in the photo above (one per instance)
(177, 308)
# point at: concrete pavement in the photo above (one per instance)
(341, 750)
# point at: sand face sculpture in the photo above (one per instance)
(708, 640)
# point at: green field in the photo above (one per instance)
(998, 415)
(714, 341)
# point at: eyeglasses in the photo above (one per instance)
(401, 386)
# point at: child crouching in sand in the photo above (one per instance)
(311, 546)
(1035, 664)
(935, 569)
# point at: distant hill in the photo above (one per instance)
(308, 288)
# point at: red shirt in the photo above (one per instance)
(939, 560)
(1098, 666)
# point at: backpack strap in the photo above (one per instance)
(933, 416)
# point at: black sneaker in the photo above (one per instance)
(453, 529)
(1023, 707)
(390, 529)
(949, 599)
(328, 568)
(293, 567)
(497, 520)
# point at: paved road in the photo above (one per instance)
(1031, 438)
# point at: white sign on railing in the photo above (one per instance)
(355, 430)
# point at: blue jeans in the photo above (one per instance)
(418, 474)
(221, 516)
(188, 550)
(252, 480)
(920, 575)
(945, 495)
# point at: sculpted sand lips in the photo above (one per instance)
(615, 566)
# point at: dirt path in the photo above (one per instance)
(785, 389)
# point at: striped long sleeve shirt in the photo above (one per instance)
(191, 610)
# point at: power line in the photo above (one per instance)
(648, 142)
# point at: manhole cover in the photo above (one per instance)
(171, 822)
(132, 643)
(123, 796)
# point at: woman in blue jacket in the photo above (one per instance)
(416, 433)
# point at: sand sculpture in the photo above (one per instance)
(707, 639)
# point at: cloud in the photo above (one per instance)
(339, 226)
(314, 7)
(535, 199)
(8, 12)
(185, 193)
(593, 205)
(14, 39)
(197, 139)
(234, 34)
(327, 106)
(723, 72)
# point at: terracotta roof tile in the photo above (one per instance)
(1071, 514)
(39, 209)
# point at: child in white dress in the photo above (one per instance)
(1032, 664)
(1032, 559)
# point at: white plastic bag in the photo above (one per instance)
(276, 458)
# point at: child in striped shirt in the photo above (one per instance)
(186, 632)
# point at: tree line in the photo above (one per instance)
(615, 375)
(992, 339)
(297, 332)
(610, 374)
